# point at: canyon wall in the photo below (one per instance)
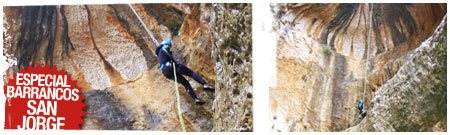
(111, 55)
(326, 51)
(414, 99)
(232, 51)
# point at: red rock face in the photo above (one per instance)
(322, 52)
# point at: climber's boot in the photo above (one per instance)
(207, 87)
(199, 101)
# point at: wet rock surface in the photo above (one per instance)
(322, 53)
(108, 51)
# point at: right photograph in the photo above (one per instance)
(363, 67)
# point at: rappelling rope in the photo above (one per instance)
(368, 53)
(174, 70)
(178, 98)
(145, 27)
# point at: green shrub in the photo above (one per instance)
(326, 49)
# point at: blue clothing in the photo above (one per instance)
(164, 55)
(165, 59)
(361, 109)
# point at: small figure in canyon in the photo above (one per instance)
(165, 59)
(361, 108)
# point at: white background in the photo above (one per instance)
(263, 64)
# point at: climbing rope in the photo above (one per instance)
(174, 70)
(368, 53)
(178, 98)
(145, 27)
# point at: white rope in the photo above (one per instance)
(143, 24)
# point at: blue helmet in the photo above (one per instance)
(166, 42)
(360, 100)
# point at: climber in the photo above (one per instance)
(165, 59)
(361, 108)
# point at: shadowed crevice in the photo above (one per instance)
(339, 94)
(171, 17)
(65, 39)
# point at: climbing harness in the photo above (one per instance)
(368, 53)
(174, 70)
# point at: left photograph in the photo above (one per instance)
(159, 67)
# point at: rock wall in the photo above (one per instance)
(415, 98)
(322, 53)
(232, 38)
(108, 51)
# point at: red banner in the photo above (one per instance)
(43, 98)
